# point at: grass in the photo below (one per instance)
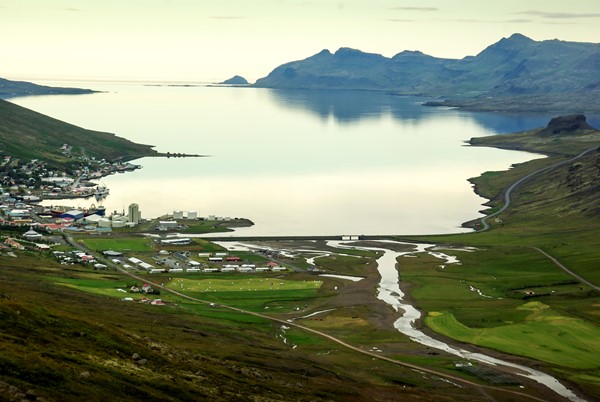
(345, 265)
(544, 335)
(247, 283)
(251, 292)
(21, 127)
(121, 244)
(57, 323)
(556, 211)
(213, 226)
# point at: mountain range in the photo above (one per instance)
(514, 71)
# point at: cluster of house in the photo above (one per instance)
(35, 180)
(29, 240)
(145, 289)
(19, 177)
(78, 257)
(180, 262)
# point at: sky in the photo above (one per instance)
(212, 40)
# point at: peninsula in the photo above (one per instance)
(10, 89)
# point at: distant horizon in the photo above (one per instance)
(200, 81)
(203, 41)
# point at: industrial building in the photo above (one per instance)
(135, 215)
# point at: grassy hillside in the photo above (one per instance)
(63, 343)
(27, 134)
(487, 300)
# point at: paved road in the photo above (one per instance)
(512, 187)
(507, 201)
(567, 270)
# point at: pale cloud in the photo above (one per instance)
(517, 21)
(226, 17)
(399, 20)
(476, 21)
(415, 8)
(546, 14)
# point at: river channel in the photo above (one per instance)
(389, 291)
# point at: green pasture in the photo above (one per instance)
(545, 335)
(105, 285)
(138, 244)
(498, 272)
(251, 293)
(346, 265)
(205, 226)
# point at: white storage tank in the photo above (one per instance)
(119, 223)
(104, 223)
(192, 215)
(177, 214)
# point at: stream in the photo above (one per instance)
(389, 292)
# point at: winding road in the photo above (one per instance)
(512, 187)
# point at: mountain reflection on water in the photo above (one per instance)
(350, 106)
(295, 162)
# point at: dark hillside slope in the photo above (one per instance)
(30, 135)
(68, 345)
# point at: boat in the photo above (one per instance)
(101, 190)
(60, 211)
(94, 210)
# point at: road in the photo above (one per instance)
(567, 270)
(442, 375)
(512, 187)
(507, 201)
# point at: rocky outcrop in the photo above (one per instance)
(235, 80)
(566, 125)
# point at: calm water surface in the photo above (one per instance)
(295, 162)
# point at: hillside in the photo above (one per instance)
(10, 89)
(20, 128)
(59, 343)
(536, 268)
(567, 195)
(515, 69)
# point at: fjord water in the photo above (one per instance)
(295, 162)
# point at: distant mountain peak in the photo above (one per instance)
(519, 37)
(343, 51)
(235, 80)
(514, 65)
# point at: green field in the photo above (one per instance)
(544, 335)
(138, 244)
(242, 284)
(251, 292)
